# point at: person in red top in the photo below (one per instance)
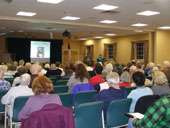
(125, 79)
(98, 77)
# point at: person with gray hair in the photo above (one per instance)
(113, 93)
(35, 69)
(21, 90)
(125, 79)
(4, 85)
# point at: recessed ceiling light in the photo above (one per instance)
(164, 27)
(70, 18)
(110, 34)
(83, 39)
(50, 1)
(148, 13)
(138, 30)
(26, 13)
(1, 34)
(98, 37)
(20, 31)
(11, 31)
(105, 7)
(108, 21)
(139, 25)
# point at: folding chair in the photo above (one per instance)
(66, 99)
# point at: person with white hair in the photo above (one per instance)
(4, 85)
(21, 90)
(114, 92)
(166, 63)
(108, 69)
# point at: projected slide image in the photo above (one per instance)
(40, 52)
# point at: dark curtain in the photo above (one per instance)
(21, 48)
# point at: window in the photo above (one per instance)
(139, 50)
(110, 51)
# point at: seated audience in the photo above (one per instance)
(166, 63)
(35, 69)
(161, 84)
(58, 66)
(98, 77)
(53, 71)
(108, 69)
(4, 85)
(125, 79)
(140, 91)
(68, 71)
(79, 77)
(113, 93)
(41, 87)
(12, 69)
(6, 74)
(21, 90)
(156, 116)
(167, 72)
(21, 70)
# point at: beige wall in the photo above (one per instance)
(123, 46)
(162, 46)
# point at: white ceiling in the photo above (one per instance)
(49, 16)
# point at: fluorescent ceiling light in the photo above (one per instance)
(164, 27)
(83, 39)
(148, 13)
(11, 31)
(98, 37)
(110, 34)
(70, 18)
(20, 31)
(108, 21)
(26, 13)
(138, 30)
(50, 1)
(139, 25)
(105, 7)
(1, 34)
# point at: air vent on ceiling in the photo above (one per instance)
(110, 12)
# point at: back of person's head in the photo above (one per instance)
(21, 62)
(138, 78)
(151, 65)
(15, 63)
(21, 70)
(109, 67)
(139, 65)
(53, 66)
(133, 69)
(58, 64)
(166, 63)
(159, 78)
(98, 69)
(35, 68)
(12, 67)
(25, 79)
(113, 78)
(81, 72)
(125, 77)
(47, 66)
(133, 62)
(42, 85)
(28, 65)
(1, 71)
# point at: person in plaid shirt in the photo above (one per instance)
(156, 116)
(4, 85)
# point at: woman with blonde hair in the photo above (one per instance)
(161, 83)
(41, 88)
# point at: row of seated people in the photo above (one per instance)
(115, 92)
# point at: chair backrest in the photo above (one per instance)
(66, 99)
(144, 102)
(19, 103)
(129, 89)
(65, 78)
(84, 97)
(60, 89)
(54, 78)
(10, 80)
(2, 106)
(82, 87)
(116, 112)
(89, 115)
(61, 82)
